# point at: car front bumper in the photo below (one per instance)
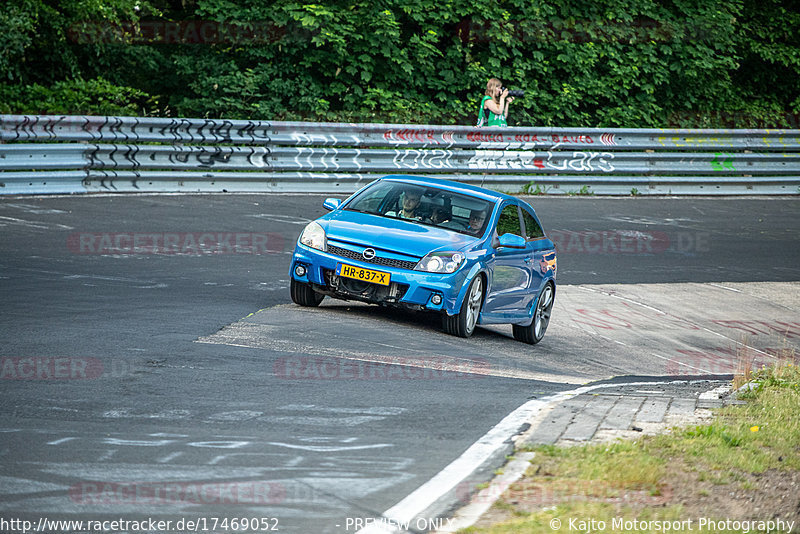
(407, 288)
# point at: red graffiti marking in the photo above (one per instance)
(608, 139)
(754, 328)
(407, 136)
(577, 139)
(528, 138)
(628, 317)
(484, 137)
(602, 319)
(722, 360)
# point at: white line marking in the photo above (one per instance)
(462, 467)
(36, 210)
(4, 221)
(60, 441)
(107, 455)
(321, 448)
(168, 458)
(725, 288)
(485, 498)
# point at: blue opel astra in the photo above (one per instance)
(475, 256)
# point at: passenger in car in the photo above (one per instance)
(476, 220)
(440, 214)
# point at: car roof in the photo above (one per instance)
(458, 187)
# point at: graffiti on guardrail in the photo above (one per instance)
(723, 162)
(47, 127)
(133, 156)
(426, 137)
(423, 159)
(178, 155)
(527, 160)
(495, 139)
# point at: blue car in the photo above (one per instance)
(475, 256)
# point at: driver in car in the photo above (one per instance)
(409, 202)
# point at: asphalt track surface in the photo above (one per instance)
(174, 383)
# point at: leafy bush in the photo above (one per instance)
(611, 63)
(75, 97)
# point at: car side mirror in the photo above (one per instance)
(332, 204)
(511, 241)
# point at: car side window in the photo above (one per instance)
(532, 228)
(508, 223)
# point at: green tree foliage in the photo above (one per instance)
(614, 63)
(97, 96)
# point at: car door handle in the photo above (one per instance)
(529, 259)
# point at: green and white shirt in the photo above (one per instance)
(487, 118)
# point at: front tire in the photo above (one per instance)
(534, 332)
(463, 324)
(304, 295)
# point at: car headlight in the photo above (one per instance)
(440, 262)
(314, 236)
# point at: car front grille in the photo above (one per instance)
(364, 290)
(377, 260)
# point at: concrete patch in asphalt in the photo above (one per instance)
(597, 332)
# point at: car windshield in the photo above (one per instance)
(430, 206)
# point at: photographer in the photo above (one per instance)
(494, 105)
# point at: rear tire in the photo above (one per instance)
(534, 332)
(304, 295)
(463, 324)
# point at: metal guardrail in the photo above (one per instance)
(71, 154)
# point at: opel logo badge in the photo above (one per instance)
(368, 253)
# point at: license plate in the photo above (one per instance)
(366, 275)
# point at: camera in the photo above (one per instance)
(513, 92)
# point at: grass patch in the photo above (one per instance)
(586, 517)
(622, 465)
(745, 465)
